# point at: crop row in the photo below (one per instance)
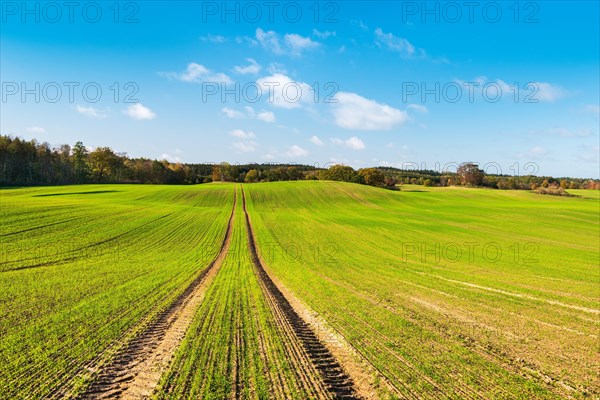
(61, 311)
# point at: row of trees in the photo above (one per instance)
(25, 162)
(469, 174)
(30, 162)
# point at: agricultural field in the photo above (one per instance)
(82, 267)
(448, 292)
(305, 289)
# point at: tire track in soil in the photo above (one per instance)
(337, 382)
(135, 371)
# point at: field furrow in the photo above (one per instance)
(135, 370)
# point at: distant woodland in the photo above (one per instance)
(30, 162)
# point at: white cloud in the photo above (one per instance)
(231, 113)
(270, 40)
(316, 141)
(277, 68)
(36, 129)
(360, 24)
(356, 112)
(547, 92)
(197, 73)
(296, 151)
(238, 133)
(531, 91)
(297, 44)
(285, 92)
(245, 147)
(139, 111)
(252, 68)
(353, 143)
(394, 43)
(169, 158)
(418, 108)
(213, 38)
(266, 116)
(291, 43)
(91, 112)
(324, 34)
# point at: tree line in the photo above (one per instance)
(29, 162)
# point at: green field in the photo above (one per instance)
(444, 292)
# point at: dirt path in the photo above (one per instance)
(136, 369)
(330, 380)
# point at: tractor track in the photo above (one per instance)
(134, 372)
(312, 354)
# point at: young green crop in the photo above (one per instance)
(449, 292)
(82, 265)
(235, 347)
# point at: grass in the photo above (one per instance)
(466, 292)
(448, 292)
(234, 340)
(82, 265)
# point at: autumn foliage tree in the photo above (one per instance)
(372, 176)
(470, 174)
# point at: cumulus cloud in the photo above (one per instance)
(296, 151)
(169, 158)
(231, 113)
(418, 108)
(91, 112)
(290, 44)
(197, 73)
(316, 141)
(530, 91)
(397, 44)
(285, 92)
(356, 112)
(252, 68)
(245, 144)
(139, 111)
(238, 133)
(266, 116)
(277, 68)
(547, 92)
(353, 143)
(324, 34)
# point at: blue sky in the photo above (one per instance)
(359, 83)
